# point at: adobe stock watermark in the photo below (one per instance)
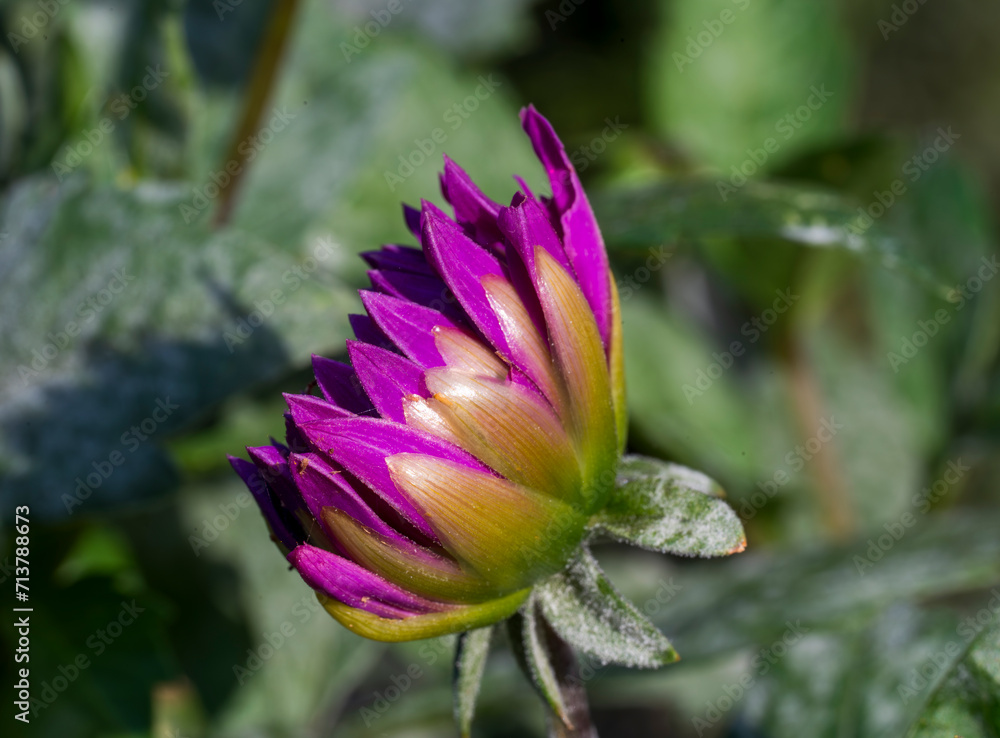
(213, 527)
(589, 667)
(291, 279)
(583, 156)
(86, 312)
(960, 296)
(74, 155)
(901, 13)
(760, 664)
(383, 699)
(753, 329)
(97, 643)
(562, 13)
(36, 23)
(786, 127)
(272, 641)
(249, 148)
(631, 283)
(795, 461)
(923, 502)
(912, 170)
(363, 35)
(921, 677)
(223, 7)
(453, 117)
(130, 441)
(698, 43)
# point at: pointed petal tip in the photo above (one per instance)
(429, 209)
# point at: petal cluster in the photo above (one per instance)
(456, 460)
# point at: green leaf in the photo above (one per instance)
(470, 661)
(871, 681)
(968, 703)
(100, 550)
(671, 509)
(715, 429)
(725, 84)
(139, 326)
(587, 611)
(317, 663)
(636, 217)
(531, 647)
(105, 638)
(77, 378)
(724, 607)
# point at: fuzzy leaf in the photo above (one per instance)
(535, 659)
(967, 701)
(587, 611)
(671, 509)
(470, 662)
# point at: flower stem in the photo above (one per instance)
(258, 91)
(574, 694)
(807, 401)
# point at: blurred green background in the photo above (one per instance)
(798, 199)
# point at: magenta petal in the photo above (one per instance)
(408, 326)
(463, 263)
(476, 213)
(274, 491)
(526, 223)
(367, 330)
(401, 258)
(430, 292)
(349, 583)
(307, 408)
(285, 528)
(320, 485)
(580, 233)
(340, 385)
(361, 446)
(272, 464)
(387, 378)
(412, 217)
(293, 436)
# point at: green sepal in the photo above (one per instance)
(586, 610)
(671, 509)
(531, 649)
(470, 661)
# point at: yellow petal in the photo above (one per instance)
(579, 354)
(467, 354)
(510, 535)
(406, 564)
(509, 428)
(616, 363)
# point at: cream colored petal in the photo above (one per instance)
(466, 353)
(508, 534)
(583, 366)
(509, 428)
(413, 567)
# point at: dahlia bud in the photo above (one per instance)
(473, 441)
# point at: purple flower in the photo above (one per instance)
(457, 460)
